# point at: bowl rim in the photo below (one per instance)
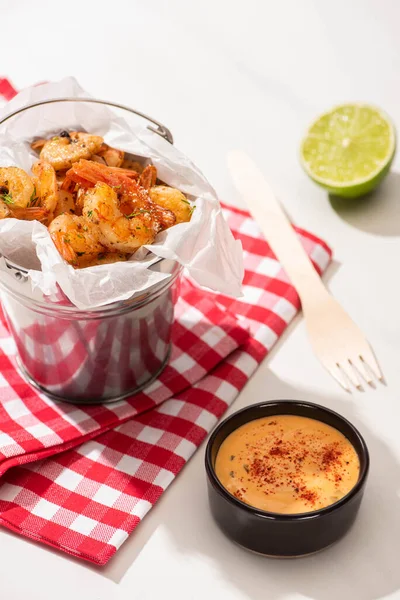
(263, 514)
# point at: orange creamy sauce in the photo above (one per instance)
(287, 464)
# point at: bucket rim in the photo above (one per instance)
(70, 311)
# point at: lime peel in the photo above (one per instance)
(349, 149)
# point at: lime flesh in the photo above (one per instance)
(349, 149)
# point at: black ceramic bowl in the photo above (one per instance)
(284, 535)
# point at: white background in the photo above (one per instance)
(250, 75)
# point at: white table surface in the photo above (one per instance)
(250, 75)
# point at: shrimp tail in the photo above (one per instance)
(149, 177)
(31, 213)
(72, 179)
(64, 248)
(127, 172)
(87, 173)
(38, 144)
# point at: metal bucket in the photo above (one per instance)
(98, 355)
(95, 356)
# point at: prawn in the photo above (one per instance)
(16, 193)
(133, 197)
(76, 238)
(119, 232)
(112, 157)
(34, 213)
(148, 177)
(46, 185)
(16, 187)
(63, 150)
(65, 203)
(174, 200)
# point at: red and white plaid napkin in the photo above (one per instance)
(80, 479)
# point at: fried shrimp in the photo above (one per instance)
(45, 180)
(86, 173)
(119, 232)
(34, 213)
(111, 156)
(16, 187)
(99, 204)
(76, 238)
(173, 200)
(65, 204)
(148, 177)
(67, 148)
(132, 196)
(16, 193)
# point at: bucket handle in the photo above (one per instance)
(156, 127)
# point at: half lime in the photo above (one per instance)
(349, 149)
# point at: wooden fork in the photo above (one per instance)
(336, 340)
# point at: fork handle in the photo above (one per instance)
(277, 229)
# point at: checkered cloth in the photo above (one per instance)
(80, 479)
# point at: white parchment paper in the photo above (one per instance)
(204, 246)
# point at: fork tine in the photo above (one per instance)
(369, 359)
(360, 366)
(336, 374)
(350, 372)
